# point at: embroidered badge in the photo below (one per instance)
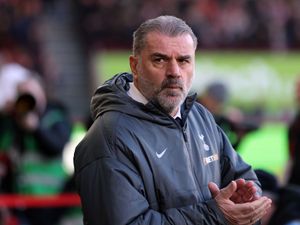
(210, 159)
(205, 146)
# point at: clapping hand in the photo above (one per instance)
(246, 192)
(239, 203)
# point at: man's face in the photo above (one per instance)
(164, 69)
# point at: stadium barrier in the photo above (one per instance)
(29, 201)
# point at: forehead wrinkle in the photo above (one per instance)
(159, 54)
(155, 42)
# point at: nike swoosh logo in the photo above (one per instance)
(159, 155)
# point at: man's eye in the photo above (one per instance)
(184, 61)
(158, 60)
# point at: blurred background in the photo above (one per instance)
(250, 47)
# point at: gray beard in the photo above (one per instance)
(167, 98)
(167, 104)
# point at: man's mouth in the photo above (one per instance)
(174, 87)
(172, 84)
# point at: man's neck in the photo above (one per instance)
(177, 114)
(136, 95)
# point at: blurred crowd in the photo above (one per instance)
(267, 24)
(271, 24)
(34, 127)
(19, 32)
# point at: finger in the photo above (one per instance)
(236, 198)
(248, 213)
(240, 182)
(248, 194)
(248, 191)
(241, 195)
(248, 185)
(214, 189)
(263, 207)
(261, 211)
(251, 185)
(255, 209)
(252, 193)
(229, 190)
(256, 196)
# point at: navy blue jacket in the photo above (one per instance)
(137, 165)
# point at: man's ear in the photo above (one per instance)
(133, 62)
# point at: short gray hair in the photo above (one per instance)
(168, 25)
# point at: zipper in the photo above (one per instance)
(191, 162)
(184, 135)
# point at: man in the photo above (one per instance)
(235, 126)
(34, 135)
(153, 155)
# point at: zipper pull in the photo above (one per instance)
(184, 134)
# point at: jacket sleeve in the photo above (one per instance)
(113, 194)
(233, 166)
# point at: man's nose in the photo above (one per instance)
(173, 68)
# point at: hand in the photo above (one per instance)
(246, 213)
(246, 192)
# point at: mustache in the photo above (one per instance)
(172, 82)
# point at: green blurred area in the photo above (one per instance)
(266, 148)
(286, 64)
(254, 78)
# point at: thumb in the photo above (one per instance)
(214, 189)
(228, 191)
